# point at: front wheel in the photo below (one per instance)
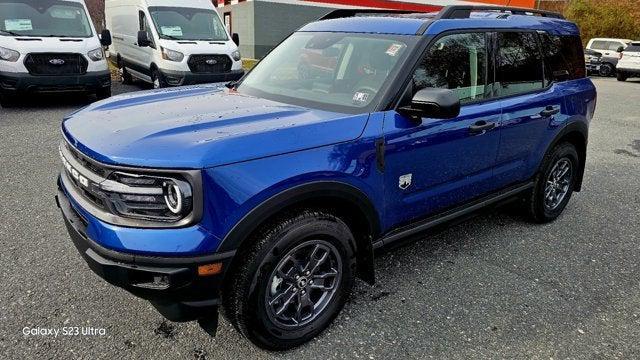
(293, 281)
(7, 101)
(622, 76)
(554, 184)
(157, 80)
(606, 70)
(103, 93)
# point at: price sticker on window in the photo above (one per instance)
(18, 25)
(171, 30)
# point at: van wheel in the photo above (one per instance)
(103, 93)
(125, 76)
(622, 76)
(157, 80)
(292, 281)
(7, 101)
(606, 70)
(554, 184)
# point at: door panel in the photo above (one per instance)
(448, 164)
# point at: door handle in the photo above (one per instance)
(481, 127)
(549, 111)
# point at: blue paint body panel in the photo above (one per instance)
(250, 149)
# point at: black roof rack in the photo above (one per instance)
(464, 11)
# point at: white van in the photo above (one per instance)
(171, 43)
(50, 45)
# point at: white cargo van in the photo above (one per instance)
(50, 45)
(171, 43)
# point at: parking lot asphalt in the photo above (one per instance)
(495, 286)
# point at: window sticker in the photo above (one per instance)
(360, 97)
(18, 25)
(171, 30)
(394, 49)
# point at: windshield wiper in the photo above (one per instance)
(171, 37)
(9, 32)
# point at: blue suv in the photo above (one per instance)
(269, 196)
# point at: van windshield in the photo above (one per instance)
(341, 72)
(178, 23)
(50, 18)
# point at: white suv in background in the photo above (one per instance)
(610, 49)
(629, 63)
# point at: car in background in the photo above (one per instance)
(629, 64)
(50, 46)
(171, 43)
(593, 61)
(610, 49)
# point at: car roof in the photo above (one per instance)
(432, 24)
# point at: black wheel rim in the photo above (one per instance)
(558, 184)
(303, 283)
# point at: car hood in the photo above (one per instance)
(198, 127)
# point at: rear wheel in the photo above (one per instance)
(293, 281)
(554, 184)
(622, 76)
(125, 76)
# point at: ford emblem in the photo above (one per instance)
(56, 62)
(212, 61)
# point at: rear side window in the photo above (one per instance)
(564, 57)
(633, 48)
(519, 63)
(600, 45)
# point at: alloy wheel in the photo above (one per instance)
(558, 183)
(303, 283)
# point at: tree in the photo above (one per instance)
(96, 10)
(611, 18)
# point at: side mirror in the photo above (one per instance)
(105, 38)
(620, 49)
(236, 38)
(433, 103)
(143, 39)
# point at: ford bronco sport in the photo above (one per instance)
(269, 196)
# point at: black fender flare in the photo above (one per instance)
(573, 127)
(307, 192)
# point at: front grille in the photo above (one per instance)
(56, 64)
(88, 164)
(209, 64)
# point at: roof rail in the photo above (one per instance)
(346, 13)
(464, 11)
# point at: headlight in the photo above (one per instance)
(96, 54)
(172, 55)
(236, 55)
(9, 55)
(147, 197)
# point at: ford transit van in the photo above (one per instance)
(171, 43)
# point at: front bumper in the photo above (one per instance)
(171, 284)
(13, 83)
(180, 78)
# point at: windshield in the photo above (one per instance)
(179, 23)
(333, 71)
(43, 18)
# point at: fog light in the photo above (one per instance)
(210, 269)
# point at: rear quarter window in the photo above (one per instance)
(633, 48)
(564, 57)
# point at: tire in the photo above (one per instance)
(125, 76)
(157, 80)
(255, 281)
(607, 70)
(622, 76)
(541, 208)
(103, 93)
(7, 101)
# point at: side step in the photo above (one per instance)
(449, 215)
